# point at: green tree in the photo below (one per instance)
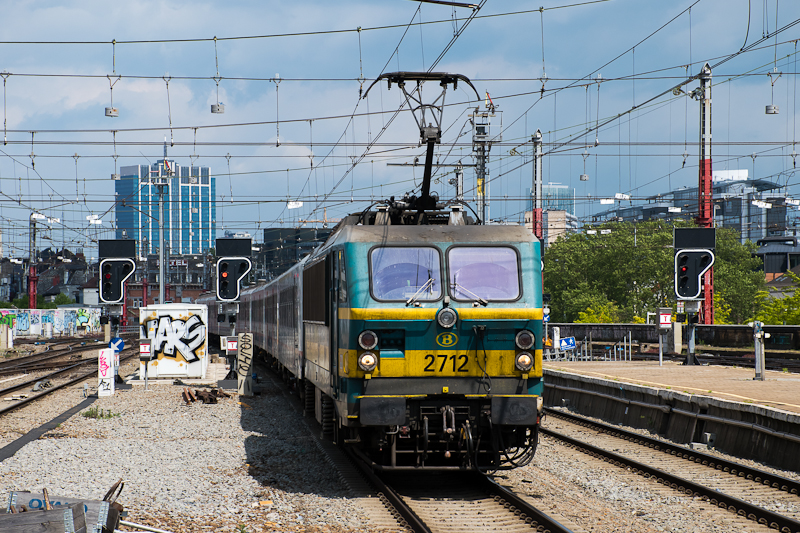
(785, 310)
(602, 314)
(63, 299)
(738, 277)
(631, 269)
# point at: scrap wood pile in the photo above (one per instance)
(205, 396)
(41, 512)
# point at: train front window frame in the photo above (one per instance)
(496, 268)
(403, 273)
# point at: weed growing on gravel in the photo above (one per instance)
(241, 529)
(95, 412)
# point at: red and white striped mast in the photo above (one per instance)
(705, 213)
(537, 218)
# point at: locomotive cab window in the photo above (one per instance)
(405, 273)
(483, 273)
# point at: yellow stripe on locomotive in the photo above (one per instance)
(439, 363)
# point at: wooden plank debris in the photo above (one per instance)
(55, 521)
(94, 513)
(205, 396)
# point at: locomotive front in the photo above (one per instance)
(440, 357)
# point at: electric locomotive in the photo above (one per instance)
(414, 334)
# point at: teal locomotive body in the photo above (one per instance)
(419, 346)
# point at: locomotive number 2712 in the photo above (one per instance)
(457, 362)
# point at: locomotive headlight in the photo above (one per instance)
(368, 361)
(524, 361)
(525, 340)
(368, 340)
(447, 317)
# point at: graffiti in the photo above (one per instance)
(103, 365)
(83, 318)
(173, 336)
(9, 319)
(23, 322)
(30, 322)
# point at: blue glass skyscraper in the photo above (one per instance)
(190, 210)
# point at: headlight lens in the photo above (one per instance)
(368, 340)
(447, 317)
(525, 340)
(368, 361)
(524, 361)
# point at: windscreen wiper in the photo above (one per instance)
(457, 285)
(413, 298)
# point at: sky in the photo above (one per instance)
(595, 77)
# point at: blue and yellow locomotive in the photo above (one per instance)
(420, 346)
(413, 334)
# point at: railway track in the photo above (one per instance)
(764, 497)
(430, 502)
(124, 355)
(43, 360)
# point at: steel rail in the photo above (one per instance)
(25, 401)
(410, 519)
(540, 519)
(733, 468)
(517, 505)
(41, 356)
(44, 356)
(720, 499)
(30, 382)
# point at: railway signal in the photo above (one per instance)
(230, 272)
(690, 265)
(113, 274)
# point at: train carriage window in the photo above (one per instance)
(342, 278)
(485, 272)
(401, 273)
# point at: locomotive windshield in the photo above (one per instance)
(483, 273)
(403, 273)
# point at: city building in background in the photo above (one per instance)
(555, 224)
(190, 199)
(555, 197)
(283, 247)
(754, 208)
(558, 212)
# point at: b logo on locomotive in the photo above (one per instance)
(446, 339)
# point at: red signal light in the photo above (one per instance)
(108, 276)
(224, 274)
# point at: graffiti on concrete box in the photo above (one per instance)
(173, 336)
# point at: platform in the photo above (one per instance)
(716, 406)
(779, 390)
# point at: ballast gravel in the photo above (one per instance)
(243, 464)
(253, 465)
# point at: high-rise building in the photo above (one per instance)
(555, 197)
(755, 208)
(190, 210)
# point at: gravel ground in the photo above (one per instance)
(252, 463)
(592, 495)
(17, 423)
